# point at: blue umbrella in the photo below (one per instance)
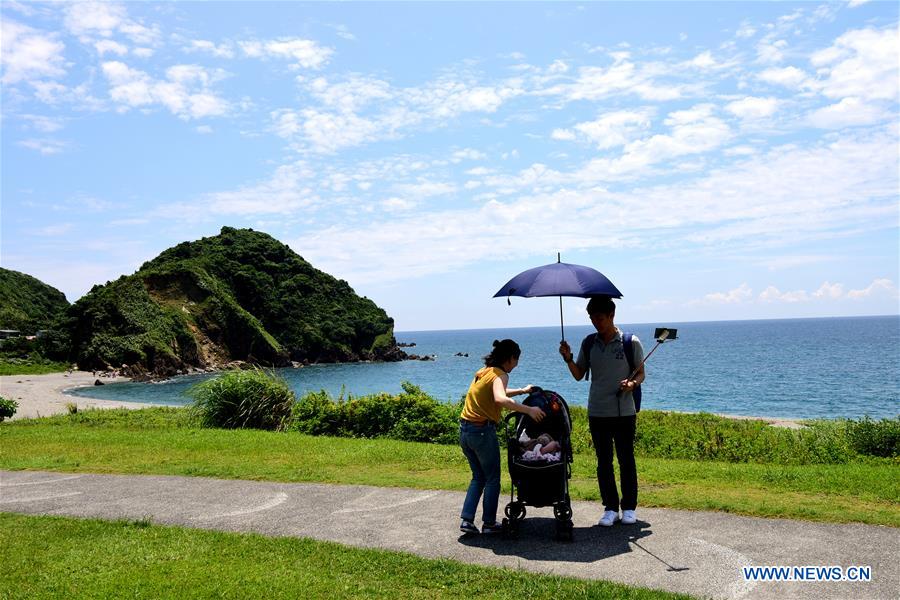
(559, 279)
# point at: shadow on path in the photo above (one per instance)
(537, 541)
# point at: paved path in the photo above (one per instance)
(694, 552)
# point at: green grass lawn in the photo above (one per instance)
(162, 441)
(55, 557)
(15, 368)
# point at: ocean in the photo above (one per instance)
(793, 368)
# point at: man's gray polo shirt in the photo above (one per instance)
(608, 367)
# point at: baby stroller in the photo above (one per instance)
(540, 483)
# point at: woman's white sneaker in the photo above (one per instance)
(628, 517)
(609, 517)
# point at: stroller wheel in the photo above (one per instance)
(562, 511)
(515, 511)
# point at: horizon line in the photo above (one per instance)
(655, 323)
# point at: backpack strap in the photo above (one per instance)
(629, 356)
(586, 345)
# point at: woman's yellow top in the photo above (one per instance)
(480, 405)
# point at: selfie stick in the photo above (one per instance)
(661, 336)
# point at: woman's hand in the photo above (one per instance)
(527, 389)
(536, 414)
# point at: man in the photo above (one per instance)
(611, 411)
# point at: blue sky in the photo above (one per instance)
(715, 160)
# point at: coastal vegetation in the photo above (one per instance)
(87, 558)
(415, 416)
(31, 309)
(170, 441)
(240, 295)
(28, 304)
(8, 408)
(33, 365)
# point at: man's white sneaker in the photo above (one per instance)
(609, 517)
(628, 517)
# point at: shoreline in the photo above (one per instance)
(44, 395)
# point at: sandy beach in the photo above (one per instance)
(42, 395)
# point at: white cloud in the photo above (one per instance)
(350, 95)
(54, 230)
(43, 123)
(564, 135)
(615, 128)
(467, 154)
(110, 47)
(879, 286)
(360, 110)
(325, 132)
(44, 146)
(770, 51)
(861, 64)
(28, 54)
(398, 204)
(849, 112)
(742, 293)
(746, 30)
(105, 19)
(620, 78)
(790, 77)
(205, 46)
(204, 129)
(855, 3)
(753, 108)
(288, 191)
(829, 290)
(307, 54)
(424, 189)
(780, 198)
(773, 294)
(184, 92)
(704, 60)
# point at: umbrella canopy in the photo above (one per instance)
(559, 279)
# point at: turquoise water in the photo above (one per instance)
(799, 368)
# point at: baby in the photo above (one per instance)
(547, 444)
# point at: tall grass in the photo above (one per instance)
(253, 399)
(415, 416)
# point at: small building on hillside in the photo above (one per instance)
(9, 333)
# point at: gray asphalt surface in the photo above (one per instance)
(699, 553)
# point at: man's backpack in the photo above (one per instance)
(629, 356)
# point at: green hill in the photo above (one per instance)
(28, 304)
(240, 295)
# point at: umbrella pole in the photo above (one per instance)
(561, 328)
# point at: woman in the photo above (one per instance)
(478, 432)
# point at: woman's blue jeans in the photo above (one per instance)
(479, 444)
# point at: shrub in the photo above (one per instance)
(317, 414)
(253, 399)
(875, 438)
(412, 415)
(8, 408)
